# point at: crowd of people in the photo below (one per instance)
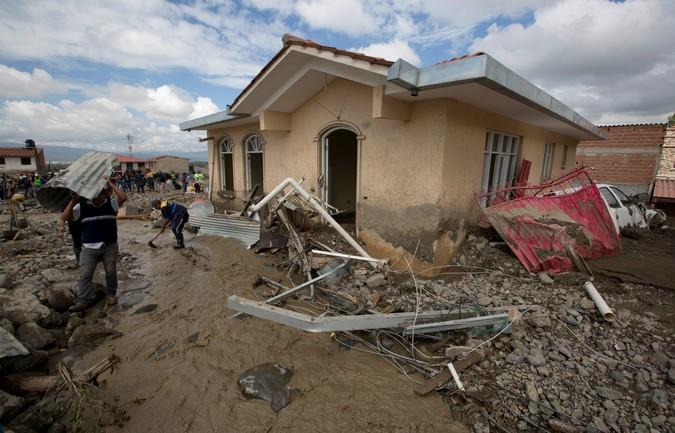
(138, 181)
(25, 183)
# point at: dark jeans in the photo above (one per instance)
(177, 224)
(89, 258)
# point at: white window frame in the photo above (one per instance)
(253, 143)
(563, 164)
(505, 147)
(226, 147)
(547, 165)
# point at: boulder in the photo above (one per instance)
(90, 335)
(54, 275)
(34, 336)
(59, 297)
(17, 364)
(10, 405)
(27, 309)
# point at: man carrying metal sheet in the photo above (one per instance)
(176, 215)
(99, 241)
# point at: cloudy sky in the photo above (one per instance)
(87, 73)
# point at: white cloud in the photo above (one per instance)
(393, 50)
(344, 16)
(18, 84)
(604, 59)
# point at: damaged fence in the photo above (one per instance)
(554, 226)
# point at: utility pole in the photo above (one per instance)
(130, 140)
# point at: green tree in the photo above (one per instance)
(671, 120)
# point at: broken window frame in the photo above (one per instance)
(254, 143)
(547, 165)
(500, 160)
(226, 147)
(26, 160)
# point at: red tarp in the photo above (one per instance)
(545, 225)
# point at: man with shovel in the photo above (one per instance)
(98, 220)
(174, 214)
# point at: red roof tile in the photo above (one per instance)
(466, 56)
(122, 158)
(664, 189)
(21, 152)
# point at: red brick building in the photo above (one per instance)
(628, 158)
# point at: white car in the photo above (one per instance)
(628, 212)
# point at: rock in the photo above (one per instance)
(6, 324)
(454, 352)
(60, 298)
(27, 309)
(17, 364)
(34, 336)
(515, 357)
(5, 281)
(54, 275)
(536, 358)
(671, 376)
(10, 405)
(608, 393)
(539, 321)
(376, 280)
(268, 382)
(544, 278)
(611, 415)
(484, 301)
(587, 304)
(600, 424)
(661, 360)
(561, 427)
(659, 397)
(531, 391)
(90, 335)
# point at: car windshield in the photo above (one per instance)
(609, 197)
(623, 198)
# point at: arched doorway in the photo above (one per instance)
(339, 167)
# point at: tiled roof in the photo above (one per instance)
(20, 152)
(122, 158)
(289, 40)
(664, 188)
(466, 56)
(634, 124)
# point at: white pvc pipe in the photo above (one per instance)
(604, 309)
(316, 205)
(347, 256)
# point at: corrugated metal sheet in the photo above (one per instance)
(84, 176)
(664, 189)
(245, 230)
(546, 220)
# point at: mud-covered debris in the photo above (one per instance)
(268, 382)
(145, 309)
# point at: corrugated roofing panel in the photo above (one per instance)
(243, 229)
(664, 189)
(84, 177)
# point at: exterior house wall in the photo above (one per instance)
(13, 165)
(413, 176)
(167, 164)
(666, 168)
(629, 157)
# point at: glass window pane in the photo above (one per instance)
(609, 198)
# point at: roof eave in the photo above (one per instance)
(203, 123)
(487, 71)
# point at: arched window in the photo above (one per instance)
(227, 163)
(254, 145)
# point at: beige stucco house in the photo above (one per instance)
(168, 163)
(405, 148)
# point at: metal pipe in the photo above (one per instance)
(316, 205)
(289, 292)
(348, 256)
(471, 322)
(600, 303)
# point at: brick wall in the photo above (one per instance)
(629, 156)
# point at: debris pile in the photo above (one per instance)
(526, 351)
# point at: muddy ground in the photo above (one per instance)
(181, 354)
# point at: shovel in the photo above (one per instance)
(150, 242)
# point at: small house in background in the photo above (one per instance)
(130, 163)
(168, 163)
(16, 160)
(628, 158)
(402, 148)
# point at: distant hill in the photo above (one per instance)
(63, 154)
